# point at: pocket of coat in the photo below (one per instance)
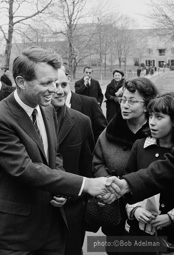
(14, 208)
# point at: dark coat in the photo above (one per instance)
(90, 107)
(76, 144)
(94, 90)
(158, 176)
(5, 79)
(141, 158)
(5, 90)
(28, 182)
(112, 104)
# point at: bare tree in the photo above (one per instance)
(69, 13)
(124, 39)
(14, 10)
(161, 13)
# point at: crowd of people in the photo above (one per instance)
(57, 149)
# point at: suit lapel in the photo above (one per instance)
(66, 126)
(25, 122)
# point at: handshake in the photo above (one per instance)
(107, 189)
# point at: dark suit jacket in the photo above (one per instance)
(28, 182)
(89, 107)
(76, 144)
(5, 90)
(94, 90)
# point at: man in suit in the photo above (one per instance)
(5, 90)
(5, 77)
(32, 177)
(76, 144)
(88, 86)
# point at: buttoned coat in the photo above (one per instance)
(94, 90)
(141, 158)
(28, 181)
(90, 107)
(76, 144)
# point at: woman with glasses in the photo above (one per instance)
(115, 142)
(112, 103)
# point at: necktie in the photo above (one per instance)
(34, 114)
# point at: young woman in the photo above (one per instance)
(155, 215)
(115, 142)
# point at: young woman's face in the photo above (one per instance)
(161, 125)
(132, 105)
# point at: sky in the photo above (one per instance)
(136, 9)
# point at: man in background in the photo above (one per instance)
(76, 144)
(88, 86)
(88, 106)
(5, 77)
(5, 90)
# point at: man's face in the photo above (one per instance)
(62, 90)
(88, 72)
(40, 90)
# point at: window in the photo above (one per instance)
(162, 52)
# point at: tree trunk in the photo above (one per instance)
(9, 36)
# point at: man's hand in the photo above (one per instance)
(86, 81)
(120, 187)
(58, 201)
(100, 186)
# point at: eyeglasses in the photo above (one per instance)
(88, 72)
(123, 100)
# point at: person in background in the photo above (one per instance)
(153, 216)
(115, 142)
(5, 90)
(5, 77)
(33, 181)
(139, 71)
(87, 106)
(88, 86)
(76, 145)
(112, 103)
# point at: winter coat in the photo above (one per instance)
(112, 151)
(112, 104)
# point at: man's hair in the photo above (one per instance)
(24, 65)
(87, 67)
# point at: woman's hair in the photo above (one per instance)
(144, 86)
(25, 64)
(163, 103)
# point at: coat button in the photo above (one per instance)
(162, 205)
(156, 155)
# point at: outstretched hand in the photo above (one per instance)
(120, 187)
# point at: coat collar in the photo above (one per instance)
(118, 131)
(149, 141)
(67, 122)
